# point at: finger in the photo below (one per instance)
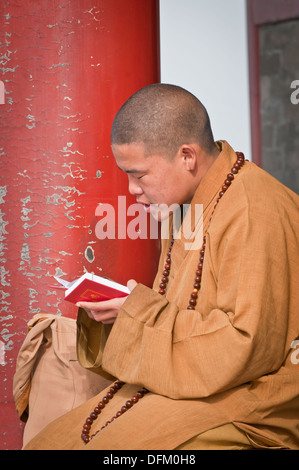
(87, 305)
(107, 317)
(103, 305)
(131, 284)
(89, 314)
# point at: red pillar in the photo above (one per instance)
(67, 67)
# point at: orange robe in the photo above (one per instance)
(232, 359)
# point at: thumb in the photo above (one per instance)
(131, 284)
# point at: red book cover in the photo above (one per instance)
(92, 288)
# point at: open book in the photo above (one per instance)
(92, 288)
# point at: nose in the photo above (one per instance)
(134, 187)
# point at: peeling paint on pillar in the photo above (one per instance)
(66, 67)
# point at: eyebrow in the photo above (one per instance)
(130, 171)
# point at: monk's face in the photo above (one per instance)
(154, 180)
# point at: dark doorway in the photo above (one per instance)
(273, 33)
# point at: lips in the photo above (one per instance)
(143, 203)
(146, 206)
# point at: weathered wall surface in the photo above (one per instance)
(279, 65)
(67, 66)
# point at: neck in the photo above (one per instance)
(204, 162)
(209, 158)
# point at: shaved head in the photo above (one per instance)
(163, 117)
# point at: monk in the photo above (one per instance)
(207, 358)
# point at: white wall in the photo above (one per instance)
(204, 49)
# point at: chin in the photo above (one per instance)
(160, 214)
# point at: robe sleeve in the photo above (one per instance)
(184, 353)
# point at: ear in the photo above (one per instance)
(189, 156)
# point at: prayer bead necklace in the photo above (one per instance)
(101, 405)
(198, 273)
(85, 436)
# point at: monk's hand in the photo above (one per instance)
(106, 311)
